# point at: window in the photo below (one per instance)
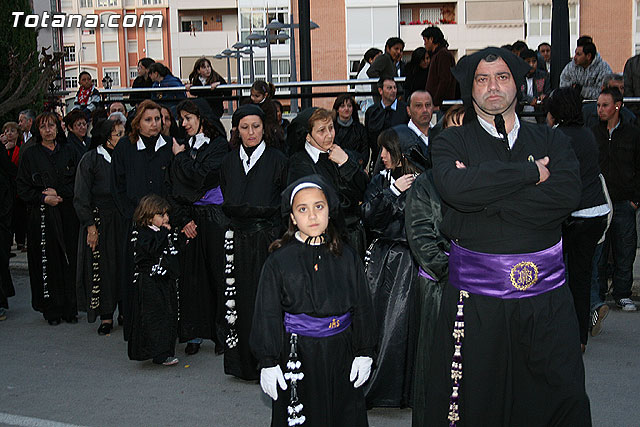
(88, 52)
(114, 73)
(154, 49)
(191, 24)
(539, 24)
(70, 82)
(86, 3)
(133, 73)
(70, 53)
(259, 68)
(406, 15)
(107, 3)
(66, 4)
(132, 46)
(280, 71)
(110, 51)
(150, 2)
(256, 20)
(88, 32)
(431, 14)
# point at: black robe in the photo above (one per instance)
(192, 173)
(354, 139)
(522, 363)
(429, 249)
(42, 168)
(134, 174)
(93, 199)
(252, 204)
(391, 276)
(7, 197)
(155, 304)
(349, 181)
(290, 283)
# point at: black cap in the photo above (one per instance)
(244, 111)
(310, 181)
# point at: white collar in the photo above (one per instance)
(300, 239)
(200, 140)
(313, 152)
(249, 161)
(26, 135)
(104, 153)
(393, 106)
(417, 131)
(491, 130)
(159, 143)
(203, 80)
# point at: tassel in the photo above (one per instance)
(230, 291)
(293, 375)
(43, 246)
(95, 289)
(456, 362)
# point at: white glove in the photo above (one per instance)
(360, 369)
(269, 380)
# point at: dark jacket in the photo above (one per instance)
(213, 97)
(440, 83)
(353, 138)
(632, 80)
(377, 119)
(591, 119)
(541, 86)
(620, 160)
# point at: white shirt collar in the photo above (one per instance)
(417, 131)
(491, 130)
(249, 162)
(159, 143)
(314, 152)
(26, 135)
(203, 80)
(104, 153)
(393, 106)
(201, 139)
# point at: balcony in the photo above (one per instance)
(203, 42)
(198, 4)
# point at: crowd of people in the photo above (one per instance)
(345, 265)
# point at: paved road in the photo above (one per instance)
(70, 375)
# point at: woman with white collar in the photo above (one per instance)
(196, 200)
(252, 177)
(138, 167)
(101, 229)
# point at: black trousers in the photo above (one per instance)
(580, 237)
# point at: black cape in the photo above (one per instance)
(252, 203)
(290, 283)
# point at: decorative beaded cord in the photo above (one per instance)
(293, 375)
(456, 363)
(43, 246)
(230, 291)
(95, 288)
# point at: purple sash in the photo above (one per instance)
(506, 275)
(211, 197)
(316, 327)
(423, 273)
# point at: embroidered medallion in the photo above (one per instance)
(524, 275)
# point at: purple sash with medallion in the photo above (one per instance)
(316, 327)
(506, 276)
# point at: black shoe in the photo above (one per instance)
(105, 328)
(192, 348)
(71, 319)
(54, 322)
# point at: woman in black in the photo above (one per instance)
(582, 230)
(391, 271)
(196, 200)
(203, 74)
(416, 72)
(252, 178)
(45, 182)
(138, 167)
(320, 155)
(350, 133)
(102, 229)
(77, 127)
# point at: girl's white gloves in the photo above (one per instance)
(360, 370)
(269, 380)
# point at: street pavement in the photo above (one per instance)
(68, 375)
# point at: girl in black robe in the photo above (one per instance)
(391, 271)
(100, 258)
(45, 182)
(320, 155)
(252, 178)
(313, 316)
(155, 302)
(196, 199)
(350, 133)
(139, 166)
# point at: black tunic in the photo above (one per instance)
(155, 308)
(521, 359)
(354, 139)
(391, 276)
(7, 196)
(349, 180)
(42, 168)
(252, 203)
(193, 172)
(93, 193)
(290, 283)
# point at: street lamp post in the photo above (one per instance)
(225, 54)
